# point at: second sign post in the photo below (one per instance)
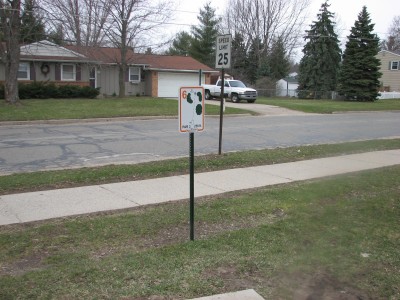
(222, 61)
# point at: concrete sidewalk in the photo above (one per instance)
(35, 206)
(241, 295)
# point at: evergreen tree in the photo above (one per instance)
(57, 36)
(32, 27)
(278, 61)
(359, 76)
(181, 44)
(205, 36)
(319, 67)
(239, 57)
(254, 62)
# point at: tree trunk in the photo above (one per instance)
(121, 80)
(10, 55)
(123, 65)
(11, 68)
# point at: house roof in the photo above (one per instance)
(107, 55)
(48, 51)
(291, 79)
(392, 52)
(45, 50)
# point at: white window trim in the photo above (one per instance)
(28, 71)
(395, 69)
(62, 72)
(131, 69)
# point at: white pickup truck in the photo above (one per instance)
(233, 89)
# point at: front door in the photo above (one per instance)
(92, 77)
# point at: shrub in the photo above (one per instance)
(69, 91)
(34, 90)
(45, 90)
(89, 92)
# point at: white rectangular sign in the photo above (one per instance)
(223, 52)
(191, 109)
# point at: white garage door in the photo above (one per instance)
(169, 83)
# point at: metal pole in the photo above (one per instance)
(191, 154)
(221, 111)
(191, 175)
(200, 76)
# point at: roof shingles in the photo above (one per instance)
(107, 55)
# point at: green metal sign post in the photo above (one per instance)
(191, 119)
(191, 162)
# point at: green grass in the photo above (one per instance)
(331, 106)
(282, 241)
(115, 173)
(50, 109)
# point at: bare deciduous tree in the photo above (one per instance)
(266, 20)
(392, 43)
(132, 23)
(83, 21)
(9, 46)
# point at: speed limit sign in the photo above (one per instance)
(223, 52)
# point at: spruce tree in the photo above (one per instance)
(205, 36)
(254, 62)
(359, 76)
(239, 57)
(279, 64)
(32, 27)
(181, 44)
(57, 36)
(319, 67)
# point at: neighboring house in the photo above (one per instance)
(390, 69)
(287, 87)
(146, 74)
(47, 62)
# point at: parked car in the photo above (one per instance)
(233, 89)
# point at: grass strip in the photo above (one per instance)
(45, 180)
(328, 237)
(52, 109)
(331, 106)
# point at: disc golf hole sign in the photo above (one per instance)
(191, 109)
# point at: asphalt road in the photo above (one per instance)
(26, 148)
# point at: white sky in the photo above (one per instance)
(381, 12)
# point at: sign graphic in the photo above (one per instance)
(191, 109)
(223, 52)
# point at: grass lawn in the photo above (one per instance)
(48, 109)
(116, 173)
(330, 106)
(333, 238)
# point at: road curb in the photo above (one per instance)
(104, 120)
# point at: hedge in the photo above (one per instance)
(44, 90)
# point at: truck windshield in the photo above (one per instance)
(237, 83)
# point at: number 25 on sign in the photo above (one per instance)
(223, 59)
(223, 52)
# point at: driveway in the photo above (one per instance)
(262, 109)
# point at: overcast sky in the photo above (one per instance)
(381, 12)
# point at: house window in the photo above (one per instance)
(134, 74)
(24, 71)
(68, 72)
(394, 65)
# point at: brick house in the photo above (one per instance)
(146, 75)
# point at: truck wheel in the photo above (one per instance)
(207, 95)
(235, 98)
